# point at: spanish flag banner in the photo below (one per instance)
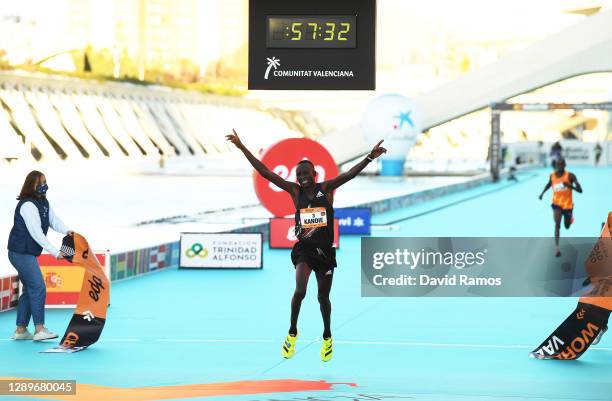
(589, 321)
(89, 317)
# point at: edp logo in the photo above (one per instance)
(96, 286)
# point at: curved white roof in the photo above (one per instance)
(582, 48)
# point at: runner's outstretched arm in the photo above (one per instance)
(548, 185)
(259, 166)
(343, 178)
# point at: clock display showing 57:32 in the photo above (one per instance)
(311, 31)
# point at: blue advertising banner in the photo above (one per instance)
(354, 220)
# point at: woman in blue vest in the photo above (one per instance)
(33, 217)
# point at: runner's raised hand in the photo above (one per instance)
(233, 138)
(377, 150)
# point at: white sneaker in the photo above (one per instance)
(26, 335)
(44, 334)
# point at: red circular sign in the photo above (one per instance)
(282, 158)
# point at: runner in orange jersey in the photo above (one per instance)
(563, 183)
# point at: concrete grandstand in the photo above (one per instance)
(54, 118)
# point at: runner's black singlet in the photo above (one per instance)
(314, 229)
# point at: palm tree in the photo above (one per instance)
(272, 62)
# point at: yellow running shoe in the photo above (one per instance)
(288, 349)
(326, 349)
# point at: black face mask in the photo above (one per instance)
(41, 189)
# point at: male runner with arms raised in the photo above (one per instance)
(314, 218)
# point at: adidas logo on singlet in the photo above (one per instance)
(320, 194)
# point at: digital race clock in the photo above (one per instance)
(312, 44)
(315, 31)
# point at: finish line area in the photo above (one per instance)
(217, 334)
